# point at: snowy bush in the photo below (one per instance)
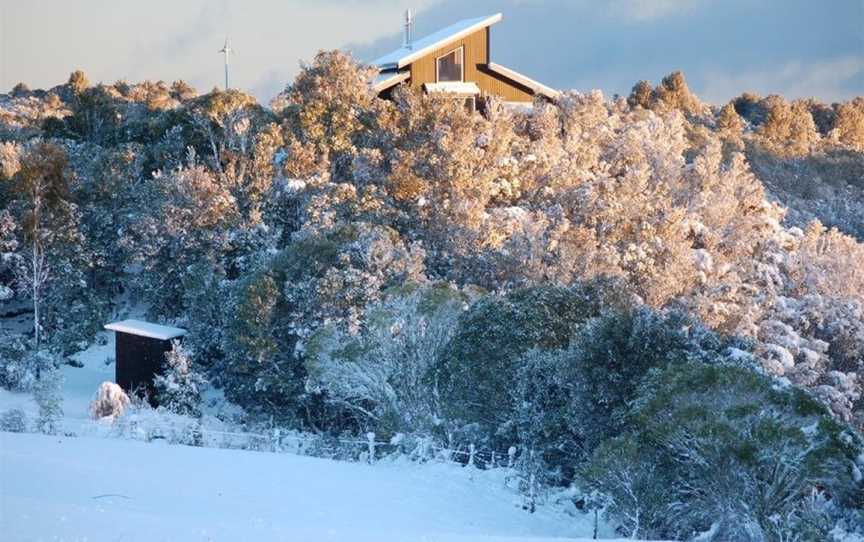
(18, 367)
(481, 360)
(381, 376)
(109, 402)
(179, 386)
(568, 401)
(13, 420)
(143, 422)
(47, 391)
(723, 453)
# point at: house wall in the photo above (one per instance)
(476, 57)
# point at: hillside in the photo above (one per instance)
(651, 303)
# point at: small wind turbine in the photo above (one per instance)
(226, 50)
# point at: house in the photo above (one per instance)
(140, 349)
(455, 62)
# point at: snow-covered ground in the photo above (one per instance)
(90, 487)
(79, 385)
(86, 488)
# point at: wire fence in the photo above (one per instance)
(368, 449)
(151, 426)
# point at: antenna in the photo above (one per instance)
(226, 50)
(409, 26)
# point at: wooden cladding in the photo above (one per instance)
(137, 362)
(475, 58)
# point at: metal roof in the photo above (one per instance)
(403, 56)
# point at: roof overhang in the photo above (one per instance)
(146, 329)
(537, 88)
(406, 55)
(385, 80)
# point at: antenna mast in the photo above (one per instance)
(226, 50)
(409, 26)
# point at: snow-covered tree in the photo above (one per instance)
(729, 455)
(47, 391)
(381, 377)
(53, 257)
(179, 385)
(484, 355)
(188, 219)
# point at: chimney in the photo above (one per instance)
(409, 26)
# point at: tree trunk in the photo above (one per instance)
(35, 286)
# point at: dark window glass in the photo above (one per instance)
(450, 66)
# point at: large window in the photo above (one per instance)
(449, 67)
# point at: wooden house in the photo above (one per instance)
(455, 62)
(140, 349)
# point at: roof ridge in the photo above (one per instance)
(403, 56)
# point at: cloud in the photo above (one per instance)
(270, 84)
(650, 10)
(838, 78)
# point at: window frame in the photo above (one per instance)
(461, 50)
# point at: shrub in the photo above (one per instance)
(380, 377)
(110, 402)
(569, 401)
(727, 452)
(481, 361)
(17, 366)
(47, 392)
(14, 421)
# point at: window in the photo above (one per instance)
(449, 67)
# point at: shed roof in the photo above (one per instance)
(403, 56)
(146, 329)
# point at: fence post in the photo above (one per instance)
(370, 438)
(492, 463)
(275, 441)
(471, 455)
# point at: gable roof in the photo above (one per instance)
(146, 329)
(403, 56)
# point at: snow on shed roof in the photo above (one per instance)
(403, 56)
(146, 329)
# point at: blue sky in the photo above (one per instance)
(793, 47)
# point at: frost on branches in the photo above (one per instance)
(109, 402)
(179, 386)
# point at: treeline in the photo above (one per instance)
(605, 285)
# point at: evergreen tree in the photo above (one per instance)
(179, 386)
(53, 253)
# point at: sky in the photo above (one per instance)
(798, 48)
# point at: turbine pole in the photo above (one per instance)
(226, 50)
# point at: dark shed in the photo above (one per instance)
(140, 353)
